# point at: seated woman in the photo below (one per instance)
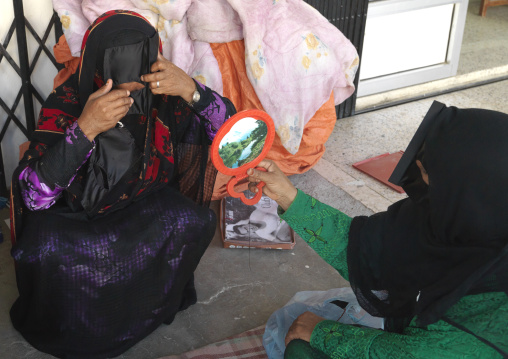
(109, 201)
(434, 265)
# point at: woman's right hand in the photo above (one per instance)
(103, 110)
(277, 186)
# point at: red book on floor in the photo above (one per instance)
(381, 168)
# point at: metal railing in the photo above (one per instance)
(24, 70)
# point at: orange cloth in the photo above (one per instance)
(63, 56)
(23, 148)
(237, 87)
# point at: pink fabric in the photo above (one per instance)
(214, 21)
(294, 57)
(246, 345)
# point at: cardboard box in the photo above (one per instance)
(257, 226)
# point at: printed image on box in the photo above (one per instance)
(254, 226)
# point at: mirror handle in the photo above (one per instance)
(248, 201)
(256, 198)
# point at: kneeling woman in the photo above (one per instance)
(109, 202)
(435, 265)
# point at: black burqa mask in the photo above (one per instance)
(448, 239)
(122, 51)
(128, 56)
(407, 174)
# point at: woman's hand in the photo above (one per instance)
(103, 109)
(172, 80)
(277, 186)
(303, 327)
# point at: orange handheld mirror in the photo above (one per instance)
(241, 143)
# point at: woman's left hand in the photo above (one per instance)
(171, 80)
(303, 327)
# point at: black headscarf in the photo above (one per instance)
(448, 239)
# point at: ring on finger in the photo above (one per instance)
(157, 84)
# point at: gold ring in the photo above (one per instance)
(157, 84)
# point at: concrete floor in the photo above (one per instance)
(238, 289)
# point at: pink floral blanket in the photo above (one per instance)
(294, 57)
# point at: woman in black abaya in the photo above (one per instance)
(109, 203)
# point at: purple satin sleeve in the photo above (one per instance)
(216, 109)
(38, 195)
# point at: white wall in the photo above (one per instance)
(38, 13)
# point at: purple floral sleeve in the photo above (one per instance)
(37, 189)
(215, 108)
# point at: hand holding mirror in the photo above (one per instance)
(241, 143)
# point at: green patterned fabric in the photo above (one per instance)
(326, 230)
(323, 227)
(300, 349)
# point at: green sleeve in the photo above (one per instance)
(343, 341)
(324, 228)
(437, 341)
(485, 314)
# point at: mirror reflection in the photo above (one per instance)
(243, 143)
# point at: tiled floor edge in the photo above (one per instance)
(355, 188)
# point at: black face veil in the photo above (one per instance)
(121, 55)
(407, 174)
(446, 240)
